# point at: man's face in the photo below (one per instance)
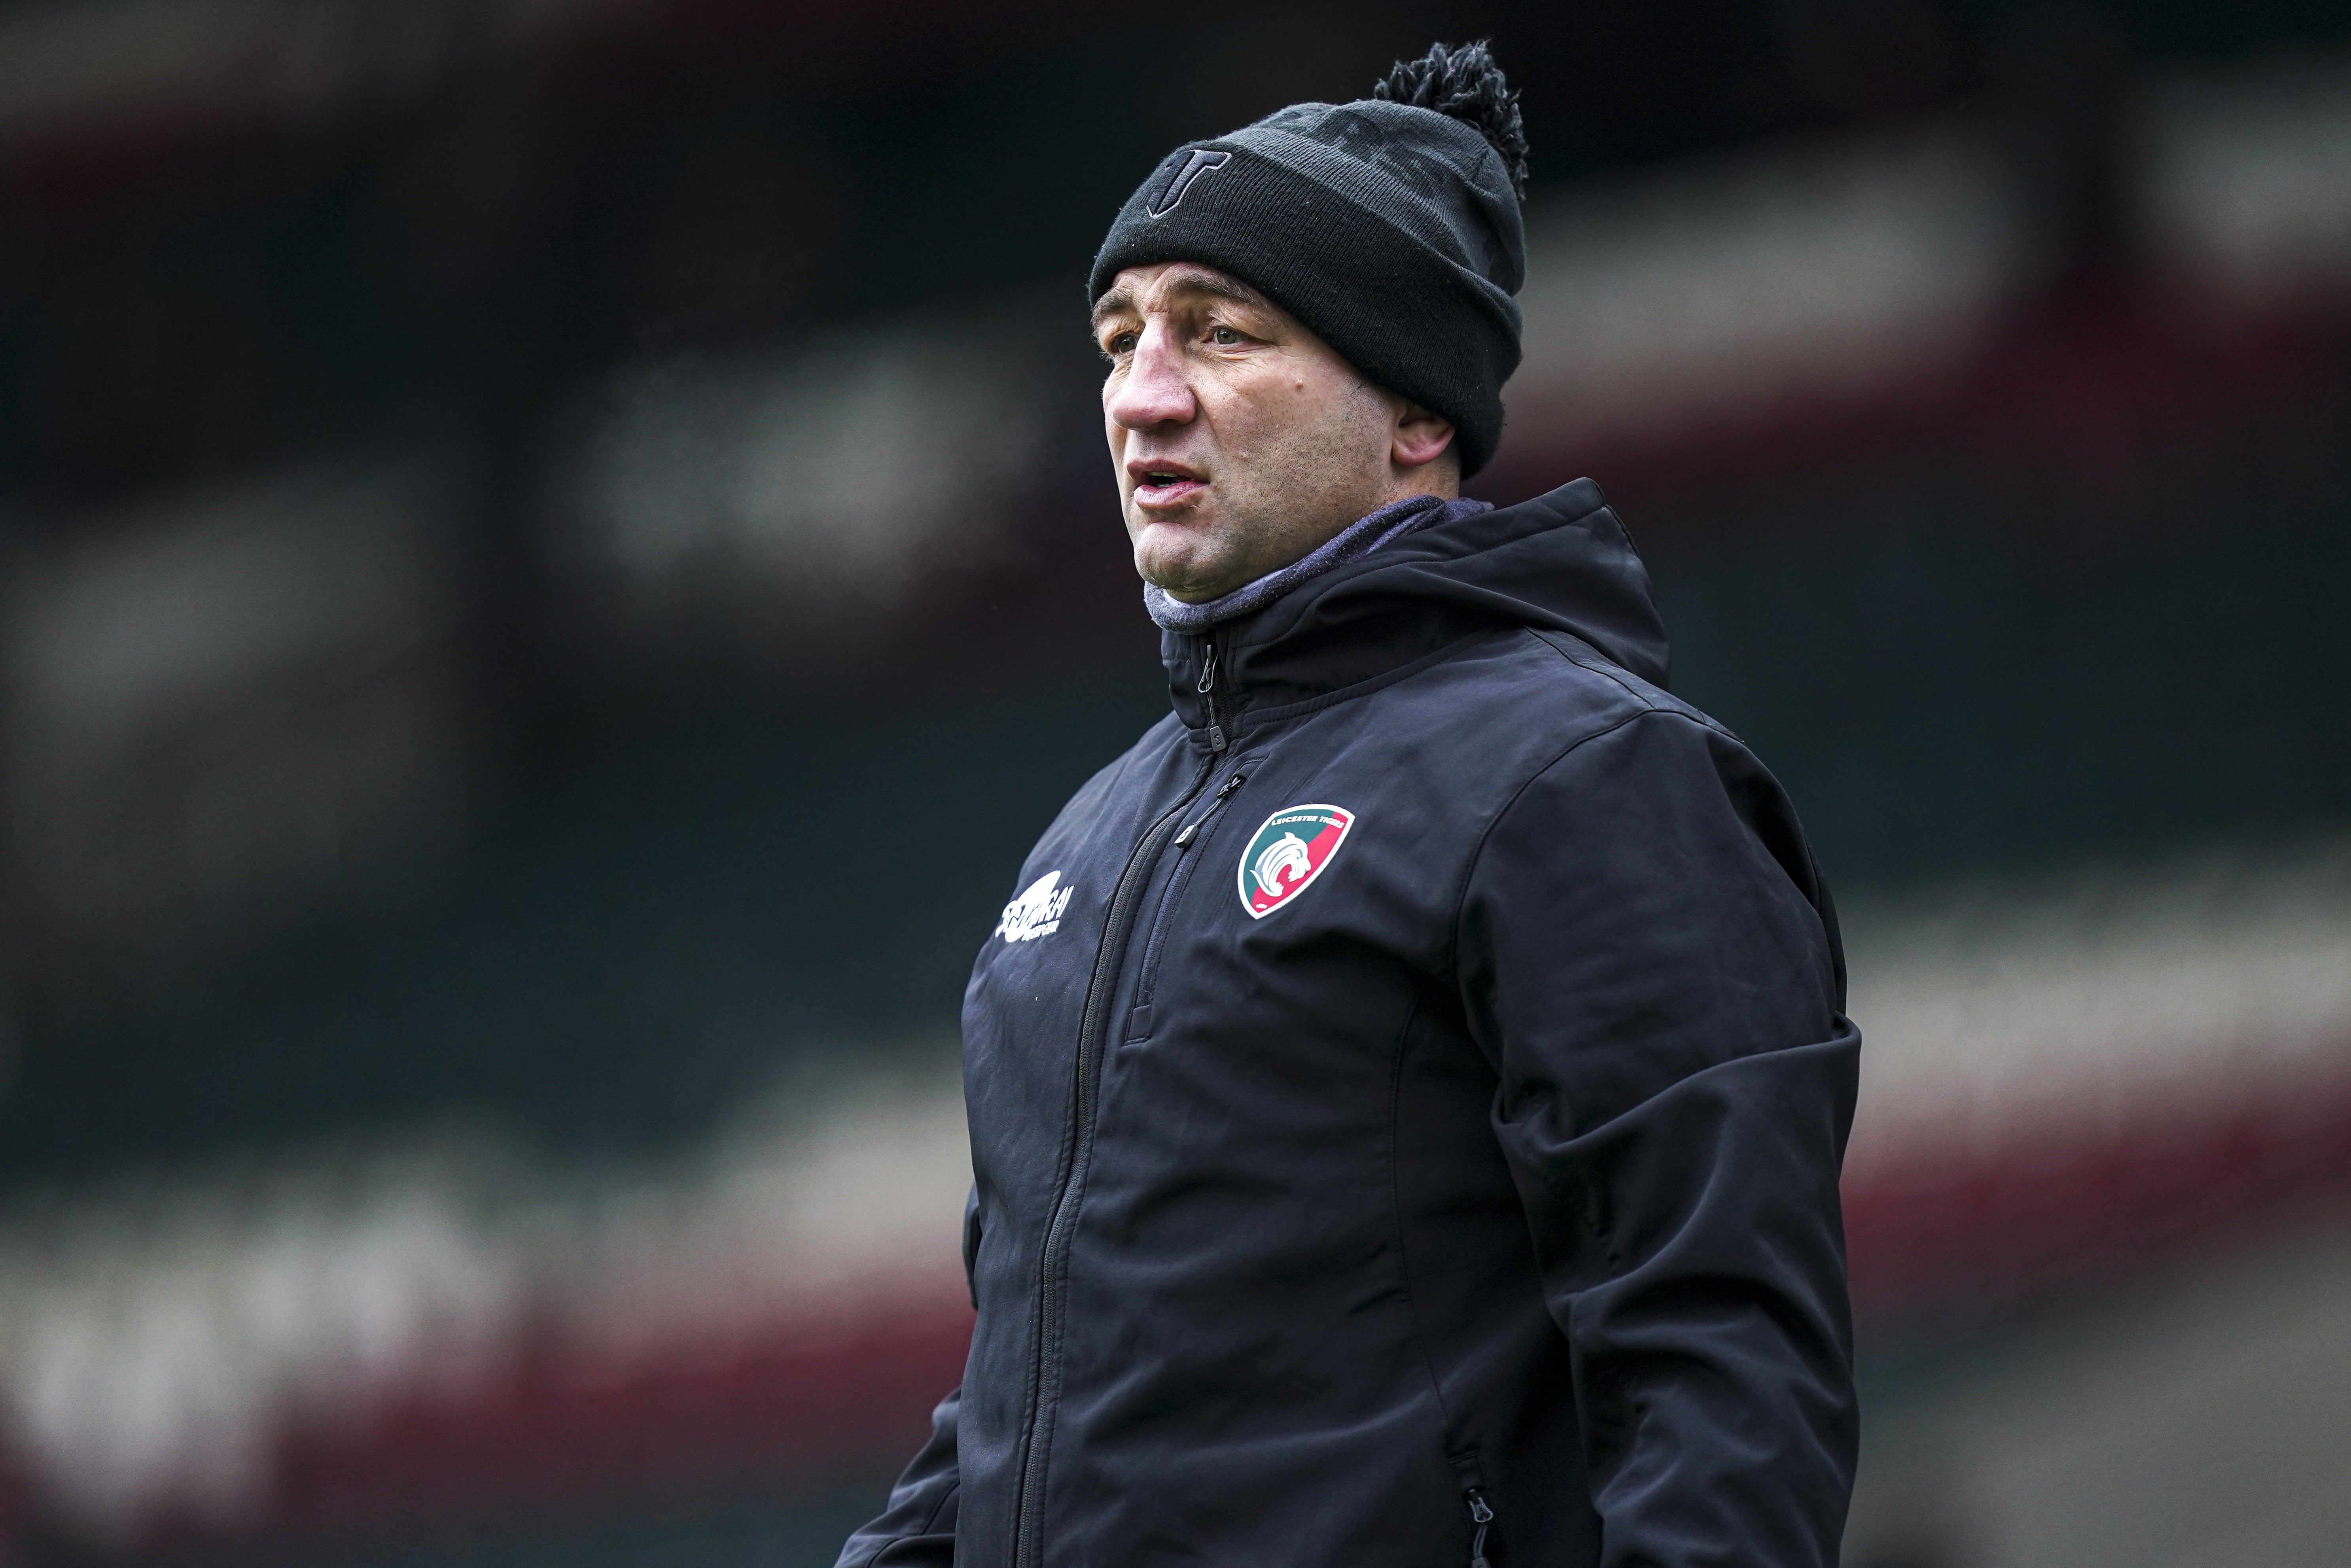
(1242, 440)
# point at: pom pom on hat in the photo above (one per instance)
(1465, 84)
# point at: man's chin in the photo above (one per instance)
(1176, 555)
(1190, 587)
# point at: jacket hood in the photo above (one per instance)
(1560, 562)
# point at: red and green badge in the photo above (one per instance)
(1288, 852)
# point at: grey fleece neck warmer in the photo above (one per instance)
(1357, 539)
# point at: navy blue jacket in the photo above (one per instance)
(1406, 1101)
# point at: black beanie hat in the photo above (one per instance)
(1389, 226)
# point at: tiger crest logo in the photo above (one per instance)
(1287, 853)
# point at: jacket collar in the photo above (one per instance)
(1560, 562)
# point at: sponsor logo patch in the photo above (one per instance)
(1036, 912)
(1287, 853)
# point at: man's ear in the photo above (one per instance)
(1419, 437)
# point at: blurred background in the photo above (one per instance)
(507, 508)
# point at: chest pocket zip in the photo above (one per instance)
(1482, 1514)
(1138, 1021)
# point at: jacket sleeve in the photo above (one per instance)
(1650, 962)
(917, 1530)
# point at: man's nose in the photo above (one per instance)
(1155, 390)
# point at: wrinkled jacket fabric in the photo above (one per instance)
(1494, 1171)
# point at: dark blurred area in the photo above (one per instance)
(506, 509)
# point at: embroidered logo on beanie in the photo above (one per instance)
(1183, 177)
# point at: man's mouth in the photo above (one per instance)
(1165, 486)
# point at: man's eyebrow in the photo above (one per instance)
(1214, 287)
(1111, 304)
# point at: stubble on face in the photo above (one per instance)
(1241, 441)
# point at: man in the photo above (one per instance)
(1407, 1094)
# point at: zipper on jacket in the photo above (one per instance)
(1224, 792)
(1138, 1021)
(1093, 1025)
(1208, 690)
(1482, 1515)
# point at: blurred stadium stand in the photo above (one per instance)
(505, 507)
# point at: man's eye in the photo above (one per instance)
(1120, 344)
(1224, 336)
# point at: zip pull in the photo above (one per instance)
(1483, 1517)
(1217, 742)
(1192, 830)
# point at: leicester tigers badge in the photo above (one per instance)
(1288, 852)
